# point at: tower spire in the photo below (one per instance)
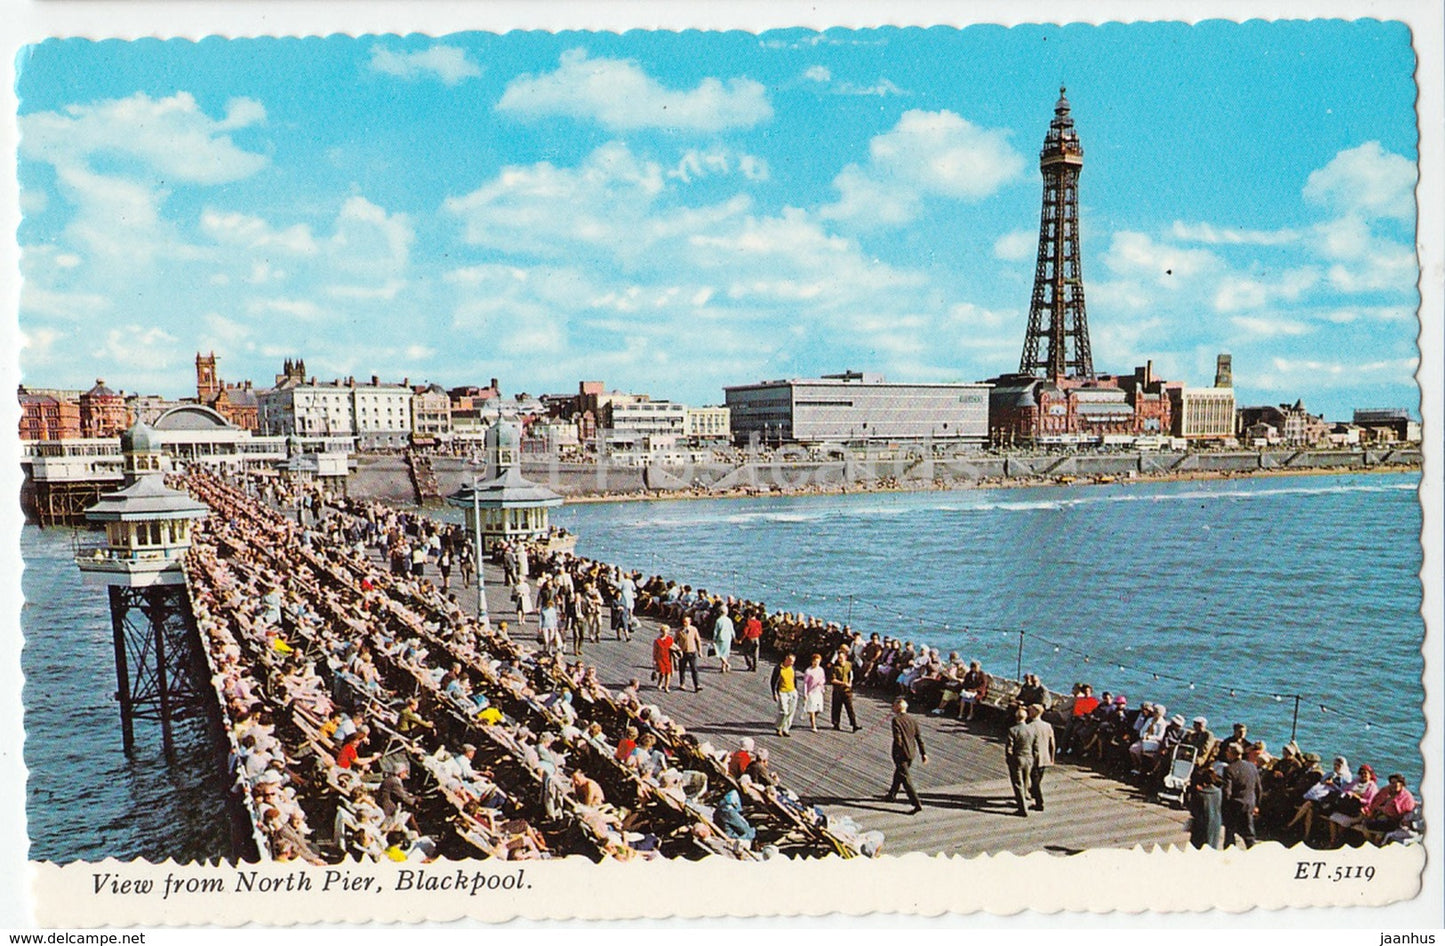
(1056, 311)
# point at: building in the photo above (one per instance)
(102, 412)
(382, 413)
(235, 402)
(378, 416)
(1056, 397)
(708, 424)
(1287, 424)
(1107, 409)
(306, 409)
(1057, 342)
(431, 414)
(638, 423)
(49, 414)
(1387, 425)
(195, 433)
(1204, 414)
(856, 408)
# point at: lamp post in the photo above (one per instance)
(482, 615)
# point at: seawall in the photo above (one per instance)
(385, 477)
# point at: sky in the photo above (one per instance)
(675, 212)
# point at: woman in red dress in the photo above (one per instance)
(662, 658)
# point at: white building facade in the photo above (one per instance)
(855, 407)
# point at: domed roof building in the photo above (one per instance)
(509, 505)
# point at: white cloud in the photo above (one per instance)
(238, 229)
(1365, 261)
(1139, 256)
(697, 163)
(1316, 368)
(446, 63)
(620, 96)
(546, 210)
(1018, 245)
(817, 74)
(926, 154)
(1269, 326)
(1208, 233)
(37, 300)
(384, 292)
(1387, 313)
(1367, 181)
(369, 241)
(39, 343)
(134, 345)
(303, 309)
(171, 137)
(880, 88)
(1234, 293)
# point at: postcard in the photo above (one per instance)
(481, 469)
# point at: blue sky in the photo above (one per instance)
(672, 212)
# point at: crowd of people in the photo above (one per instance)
(393, 672)
(1288, 798)
(370, 716)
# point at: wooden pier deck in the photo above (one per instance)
(968, 804)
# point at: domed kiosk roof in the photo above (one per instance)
(139, 438)
(504, 434)
(511, 490)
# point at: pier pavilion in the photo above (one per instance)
(507, 506)
(159, 662)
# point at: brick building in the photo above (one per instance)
(103, 412)
(49, 414)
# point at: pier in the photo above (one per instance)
(322, 612)
(968, 804)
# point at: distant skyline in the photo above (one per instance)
(672, 213)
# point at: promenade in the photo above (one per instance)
(968, 805)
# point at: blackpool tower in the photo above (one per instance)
(1057, 344)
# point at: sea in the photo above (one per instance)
(1291, 604)
(1288, 603)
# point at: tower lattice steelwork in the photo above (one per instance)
(1056, 313)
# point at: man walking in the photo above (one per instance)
(906, 735)
(1020, 745)
(785, 694)
(752, 637)
(689, 641)
(841, 677)
(1241, 796)
(1044, 752)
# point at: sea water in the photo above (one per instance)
(1288, 603)
(85, 799)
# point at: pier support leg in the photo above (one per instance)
(122, 668)
(159, 664)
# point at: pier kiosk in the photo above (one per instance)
(160, 668)
(507, 506)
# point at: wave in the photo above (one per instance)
(845, 509)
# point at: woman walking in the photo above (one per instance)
(662, 658)
(522, 600)
(814, 679)
(723, 633)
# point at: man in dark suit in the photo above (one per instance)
(905, 736)
(1241, 796)
(1044, 752)
(842, 679)
(1020, 745)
